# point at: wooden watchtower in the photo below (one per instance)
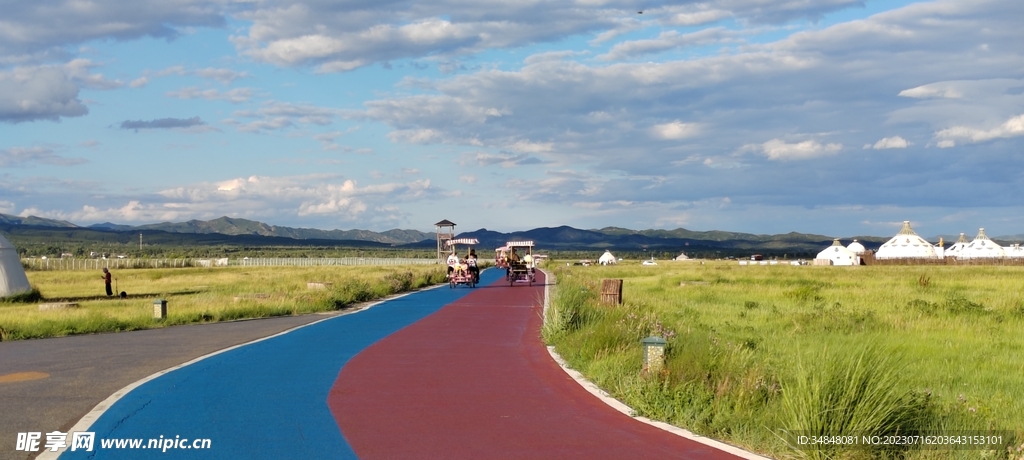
(445, 232)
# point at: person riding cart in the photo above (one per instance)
(518, 269)
(463, 270)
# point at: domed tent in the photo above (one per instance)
(954, 250)
(12, 274)
(838, 255)
(906, 245)
(982, 248)
(1014, 251)
(607, 258)
(857, 248)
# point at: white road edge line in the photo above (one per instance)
(86, 422)
(619, 406)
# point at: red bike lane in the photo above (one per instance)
(475, 380)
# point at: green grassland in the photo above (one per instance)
(759, 354)
(196, 295)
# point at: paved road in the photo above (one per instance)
(475, 380)
(442, 373)
(84, 370)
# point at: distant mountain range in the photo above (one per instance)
(227, 230)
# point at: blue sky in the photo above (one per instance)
(837, 117)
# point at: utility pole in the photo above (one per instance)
(140, 242)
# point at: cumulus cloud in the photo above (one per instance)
(337, 37)
(162, 123)
(1013, 127)
(776, 149)
(38, 26)
(674, 131)
(16, 156)
(895, 142)
(38, 93)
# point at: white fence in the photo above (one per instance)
(302, 261)
(97, 264)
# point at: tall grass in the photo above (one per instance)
(758, 352)
(197, 295)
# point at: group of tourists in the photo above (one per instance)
(464, 265)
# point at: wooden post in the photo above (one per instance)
(611, 292)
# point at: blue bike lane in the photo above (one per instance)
(267, 399)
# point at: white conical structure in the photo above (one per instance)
(607, 258)
(982, 248)
(954, 250)
(906, 245)
(12, 274)
(1014, 251)
(838, 254)
(857, 248)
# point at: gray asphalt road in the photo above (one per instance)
(84, 370)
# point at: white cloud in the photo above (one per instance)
(234, 96)
(1011, 128)
(675, 130)
(670, 40)
(895, 142)
(38, 93)
(336, 37)
(15, 156)
(945, 144)
(931, 91)
(40, 26)
(777, 149)
(276, 115)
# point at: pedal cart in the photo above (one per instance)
(520, 263)
(464, 271)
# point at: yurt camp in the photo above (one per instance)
(906, 245)
(837, 254)
(982, 248)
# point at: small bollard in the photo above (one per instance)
(654, 354)
(159, 309)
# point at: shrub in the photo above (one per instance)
(860, 391)
(30, 296)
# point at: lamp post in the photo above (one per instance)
(654, 353)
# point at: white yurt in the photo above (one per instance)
(857, 248)
(906, 245)
(682, 256)
(607, 258)
(837, 254)
(1014, 251)
(12, 274)
(954, 250)
(982, 248)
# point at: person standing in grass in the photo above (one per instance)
(106, 281)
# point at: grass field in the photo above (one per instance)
(197, 295)
(759, 354)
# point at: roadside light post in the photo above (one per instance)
(159, 309)
(654, 354)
